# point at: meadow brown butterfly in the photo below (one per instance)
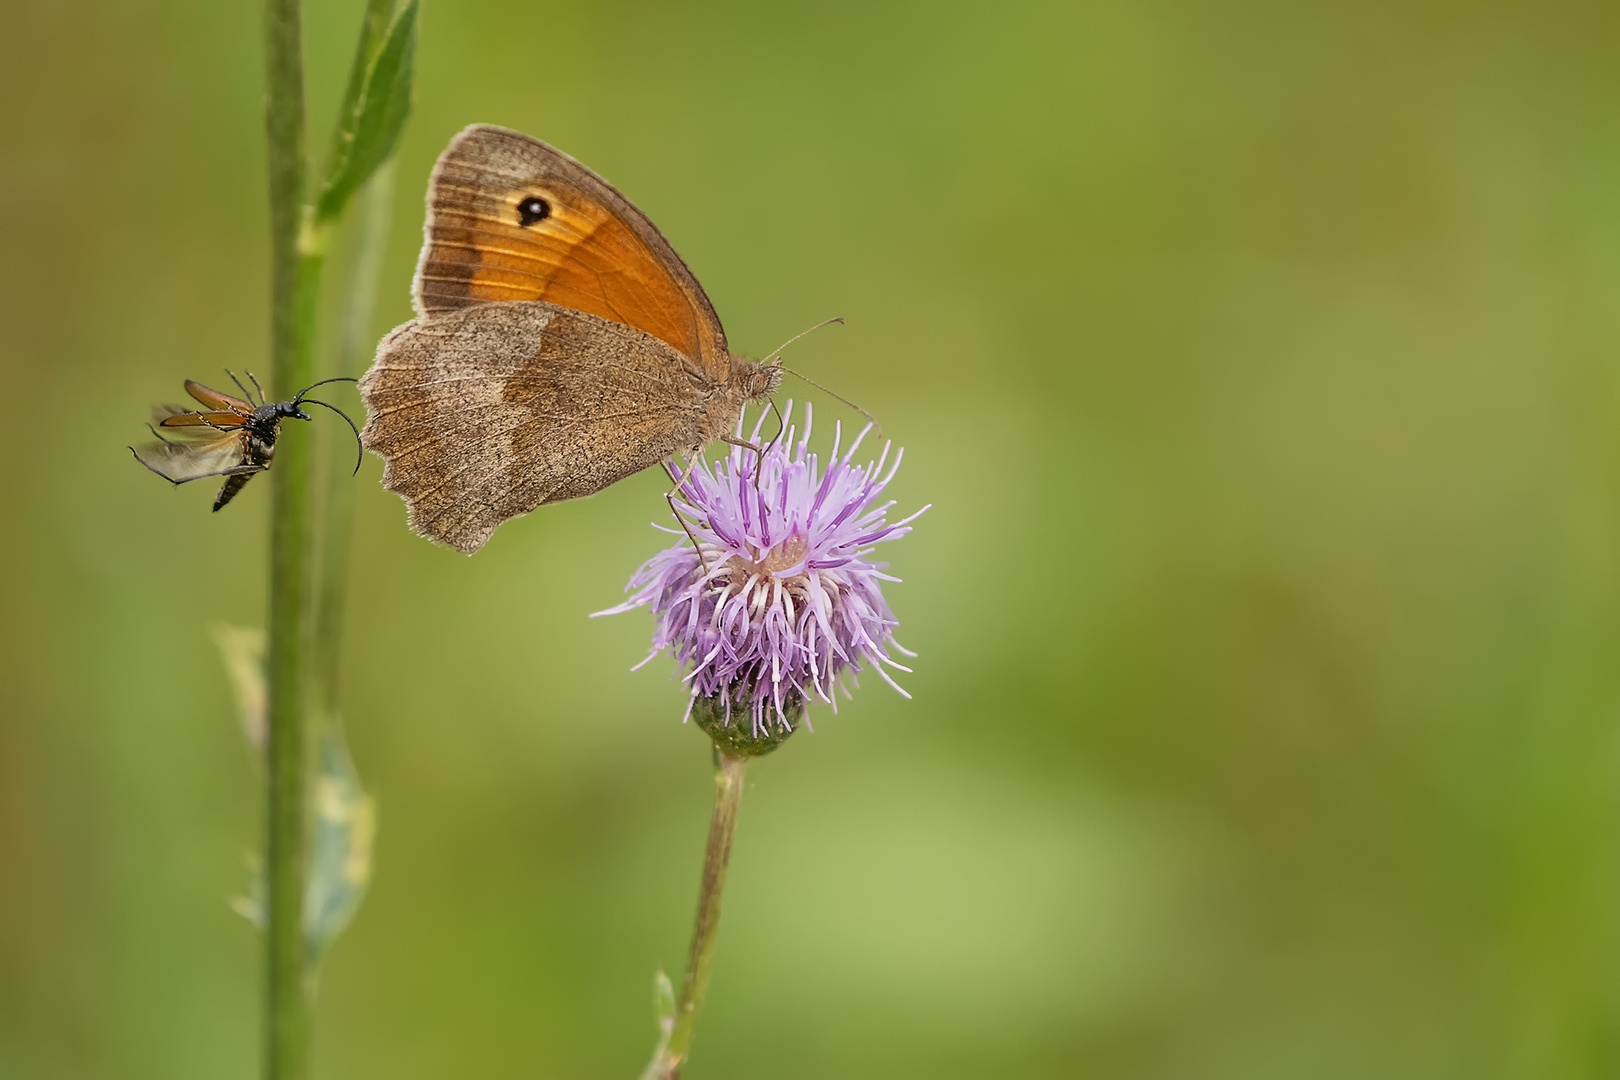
(560, 345)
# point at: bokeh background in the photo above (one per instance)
(1260, 361)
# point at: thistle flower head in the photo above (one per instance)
(778, 605)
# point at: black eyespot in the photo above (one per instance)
(533, 209)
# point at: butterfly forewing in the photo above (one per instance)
(510, 218)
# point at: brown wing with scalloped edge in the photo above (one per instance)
(510, 218)
(490, 412)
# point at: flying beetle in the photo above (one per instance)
(230, 437)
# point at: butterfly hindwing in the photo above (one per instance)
(490, 412)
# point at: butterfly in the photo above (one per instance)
(560, 345)
(231, 437)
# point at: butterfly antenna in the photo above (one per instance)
(359, 448)
(340, 378)
(875, 423)
(796, 337)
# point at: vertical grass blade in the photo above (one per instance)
(286, 1031)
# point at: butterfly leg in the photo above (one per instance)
(759, 455)
(257, 387)
(669, 497)
(781, 425)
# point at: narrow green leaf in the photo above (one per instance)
(252, 906)
(664, 1002)
(344, 822)
(664, 1006)
(343, 817)
(377, 120)
(243, 651)
(373, 30)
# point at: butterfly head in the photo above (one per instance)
(765, 376)
(763, 380)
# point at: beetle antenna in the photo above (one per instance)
(340, 378)
(359, 450)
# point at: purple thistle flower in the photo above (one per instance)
(782, 601)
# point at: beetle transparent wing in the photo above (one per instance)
(179, 461)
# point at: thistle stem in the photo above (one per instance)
(728, 787)
(295, 273)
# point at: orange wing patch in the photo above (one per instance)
(510, 219)
(576, 256)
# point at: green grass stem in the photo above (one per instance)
(295, 273)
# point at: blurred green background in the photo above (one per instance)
(1260, 362)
